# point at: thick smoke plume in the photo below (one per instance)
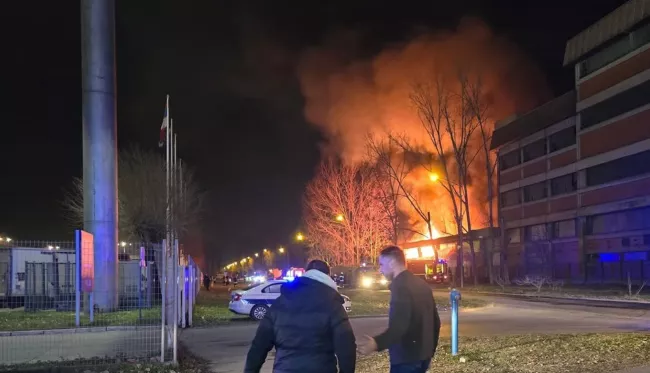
(350, 97)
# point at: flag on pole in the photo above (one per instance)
(165, 125)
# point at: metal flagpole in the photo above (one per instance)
(163, 255)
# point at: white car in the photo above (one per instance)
(256, 299)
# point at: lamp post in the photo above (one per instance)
(282, 250)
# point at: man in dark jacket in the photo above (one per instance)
(308, 327)
(413, 322)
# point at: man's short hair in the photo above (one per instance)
(394, 252)
(319, 265)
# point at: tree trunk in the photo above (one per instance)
(491, 218)
(435, 250)
(471, 241)
(460, 261)
(505, 241)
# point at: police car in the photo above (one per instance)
(256, 299)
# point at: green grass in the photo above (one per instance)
(211, 308)
(376, 302)
(584, 353)
(187, 363)
(571, 291)
(18, 319)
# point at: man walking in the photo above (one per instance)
(308, 327)
(413, 323)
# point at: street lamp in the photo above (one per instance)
(281, 250)
(340, 217)
(265, 250)
(257, 255)
(300, 237)
(434, 177)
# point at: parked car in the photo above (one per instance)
(256, 299)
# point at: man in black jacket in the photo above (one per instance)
(308, 327)
(413, 323)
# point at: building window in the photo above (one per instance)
(619, 169)
(623, 102)
(615, 50)
(510, 159)
(535, 150)
(564, 228)
(562, 139)
(564, 184)
(514, 235)
(535, 192)
(628, 220)
(510, 198)
(536, 232)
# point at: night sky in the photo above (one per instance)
(229, 67)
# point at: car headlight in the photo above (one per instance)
(366, 282)
(383, 281)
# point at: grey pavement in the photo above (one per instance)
(226, 347)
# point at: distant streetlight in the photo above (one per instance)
(340, 217)
(300, 237)
(123, 243)
(265, 250)
(257, 255)
(434, 177)
(281, 250)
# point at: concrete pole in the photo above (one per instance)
(100, 144)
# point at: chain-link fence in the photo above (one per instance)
(46, 317)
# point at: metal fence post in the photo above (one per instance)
(163, 299)
(183, 298)
(454, 297)
(194, 283)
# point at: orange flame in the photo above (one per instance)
(351, 97)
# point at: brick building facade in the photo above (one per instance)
(574, 174)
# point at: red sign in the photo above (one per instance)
(86, 260)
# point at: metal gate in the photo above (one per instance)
(49, 286)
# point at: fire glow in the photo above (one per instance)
(351, 98)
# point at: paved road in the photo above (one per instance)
(226, 347)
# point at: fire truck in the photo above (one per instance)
(428, 269)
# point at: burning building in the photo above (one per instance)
(420, 255)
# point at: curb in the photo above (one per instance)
(367, 316)
(594, 302)
(23, 333)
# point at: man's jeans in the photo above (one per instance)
(419, 367)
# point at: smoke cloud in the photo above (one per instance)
(348, 96)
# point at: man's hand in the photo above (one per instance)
(368, 347)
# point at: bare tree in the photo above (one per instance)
(394, 159)
(142, 197)
(343, 217)
(473, 92)
(268, 257)
(390, 175)
(448, 120)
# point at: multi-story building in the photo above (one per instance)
(574, 174)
